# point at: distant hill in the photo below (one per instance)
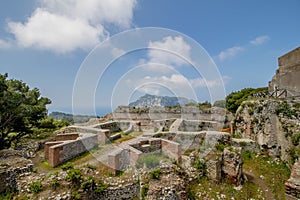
(71, 118)
(152, 100)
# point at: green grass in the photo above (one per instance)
(127, 137)
(275, 174)
(210, 190)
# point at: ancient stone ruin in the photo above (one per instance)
(292, 186)
(287, 75)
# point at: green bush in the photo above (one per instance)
(155, 174)
(75, 195)
(200, 166)
(67, 166)
(74, 175)
(220, 146)
(285, 109)
(88, 184)
(35, 187)
(55, 183)
(296, 139)
(101, 187)
(144, 191)
(235, 99)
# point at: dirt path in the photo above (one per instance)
(258, 181)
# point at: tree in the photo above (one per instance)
(234, 99)
(220, 103)
(21, 109)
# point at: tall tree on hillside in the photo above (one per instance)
(21, 108)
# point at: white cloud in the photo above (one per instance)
(163, 51)
(117, 12)
(66, 25)
(45, 30)
(230, 52)
(260, 40)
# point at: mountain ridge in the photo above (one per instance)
(149, 100)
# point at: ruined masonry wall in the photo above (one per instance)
(128, 191)
(62, 152)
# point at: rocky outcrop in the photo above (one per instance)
(273, 124)
(232, 165)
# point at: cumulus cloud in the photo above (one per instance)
(163, 51)
(260, 40)
(230, 52)
(66, 25)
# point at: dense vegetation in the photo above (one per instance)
(23, 113)
(234, 99)
(21, 109)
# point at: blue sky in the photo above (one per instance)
(45, 42)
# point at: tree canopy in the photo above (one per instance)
(234, 99)
(21, 109)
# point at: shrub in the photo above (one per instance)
(296, 139)
(75, 195)
(35, 187)
(155, 174)
(200, 166)
(88, 184)
(67, 166)
(286, 110)
(54, 184)
(101, 187)
(144, 191)
(220, 146)
(74, 175)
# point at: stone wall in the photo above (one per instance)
(119, 160)
(171, 149)
(146, 115)
(12, 166)
(196, 126)
(61, 151)
(271, 124)
(288, 73)
(196, 140)
(66, 136)
(148, 146)
(128, 155)
(129, 191)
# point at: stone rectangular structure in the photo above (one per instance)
(288, 73)
(60, 151)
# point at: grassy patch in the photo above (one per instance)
(207, 189)
(125, 137)
(275, 173)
